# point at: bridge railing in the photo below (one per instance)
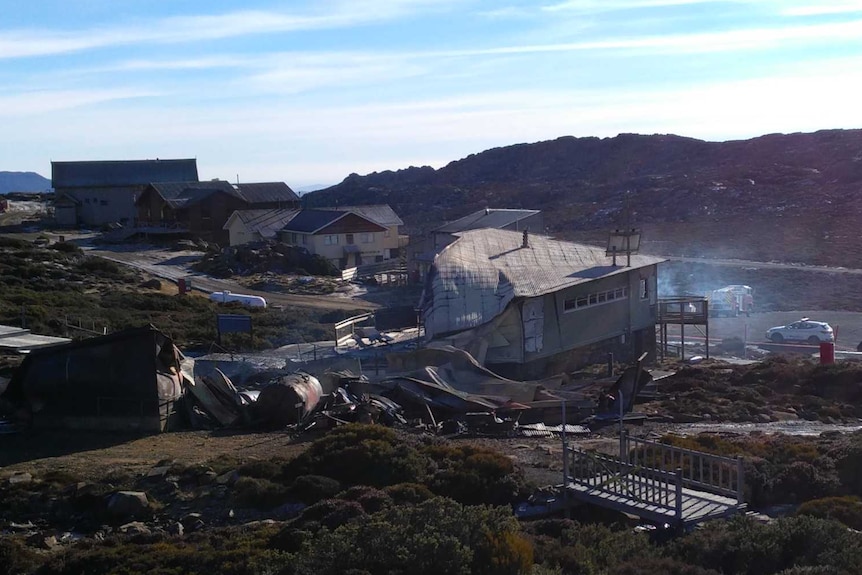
(702, 471)
(609, 474)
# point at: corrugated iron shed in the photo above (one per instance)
(473, 279)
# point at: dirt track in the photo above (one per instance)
(173, 265)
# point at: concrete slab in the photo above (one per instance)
(10, 331)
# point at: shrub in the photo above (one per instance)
(67, 248)
(473, 475)
(15, 557)
(312, 488)
(741, 545)
(801, 481)
(586, 548)
(361, 455)
(665, 566)
(330, 513)
(260, 469)
(259, 493)
(408, 493)
(847, 510)
(438, 536)
(233, 551)
(371, 499)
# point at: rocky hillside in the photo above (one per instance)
(790, 197)
(23, 182)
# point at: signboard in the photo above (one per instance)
(232, 323)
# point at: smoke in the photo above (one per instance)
(688, 279)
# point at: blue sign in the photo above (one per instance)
(233, 323)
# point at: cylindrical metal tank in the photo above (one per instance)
(288, 401)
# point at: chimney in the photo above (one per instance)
(525, 243)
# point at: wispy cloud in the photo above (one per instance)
(47, 101)
(823, 8)
(184, 29)
(593, 6)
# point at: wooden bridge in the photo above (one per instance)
(657, 482)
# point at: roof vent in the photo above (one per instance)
(487, 211)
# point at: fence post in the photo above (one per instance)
(740, 480)
(624, 452)
(679, 495)
(565, 486)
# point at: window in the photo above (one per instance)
(348, 238)
(294, 237)
(594, 299)
(643, 289)
(366, 237)
(103, 202)
(387, 233)
(330, 240)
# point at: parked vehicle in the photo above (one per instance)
(804, 330)
(731, 300)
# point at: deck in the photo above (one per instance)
(657, 482)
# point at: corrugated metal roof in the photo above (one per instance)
(547, 265)
(266, 192)
(381, 214)
(309, 221)
(265, 222)
(121, 173)
(487, 218)
(473, 279)
(183, 194)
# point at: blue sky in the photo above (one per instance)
(308, 92)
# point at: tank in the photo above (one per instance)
(227, 297)
(288, 401)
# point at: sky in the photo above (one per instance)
(308, 92)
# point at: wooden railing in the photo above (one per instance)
(655, 487)
(701, 471)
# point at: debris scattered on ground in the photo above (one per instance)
(263, 257)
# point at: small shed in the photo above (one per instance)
(128, 380)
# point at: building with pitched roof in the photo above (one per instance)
(203, 208)
(245, 226)
(346, 238)
(528, 306)
(422, 250)
(262, 195)
(103, 192)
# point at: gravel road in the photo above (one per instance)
(173, 265)
(847, 327)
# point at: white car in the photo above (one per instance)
(804, 330)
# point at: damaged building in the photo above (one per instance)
(129, 380)
(528, 306)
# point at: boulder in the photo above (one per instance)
(124, 505)
(134, 528)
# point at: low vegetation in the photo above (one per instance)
(59, 290)
(340, 523)
(776, 388)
